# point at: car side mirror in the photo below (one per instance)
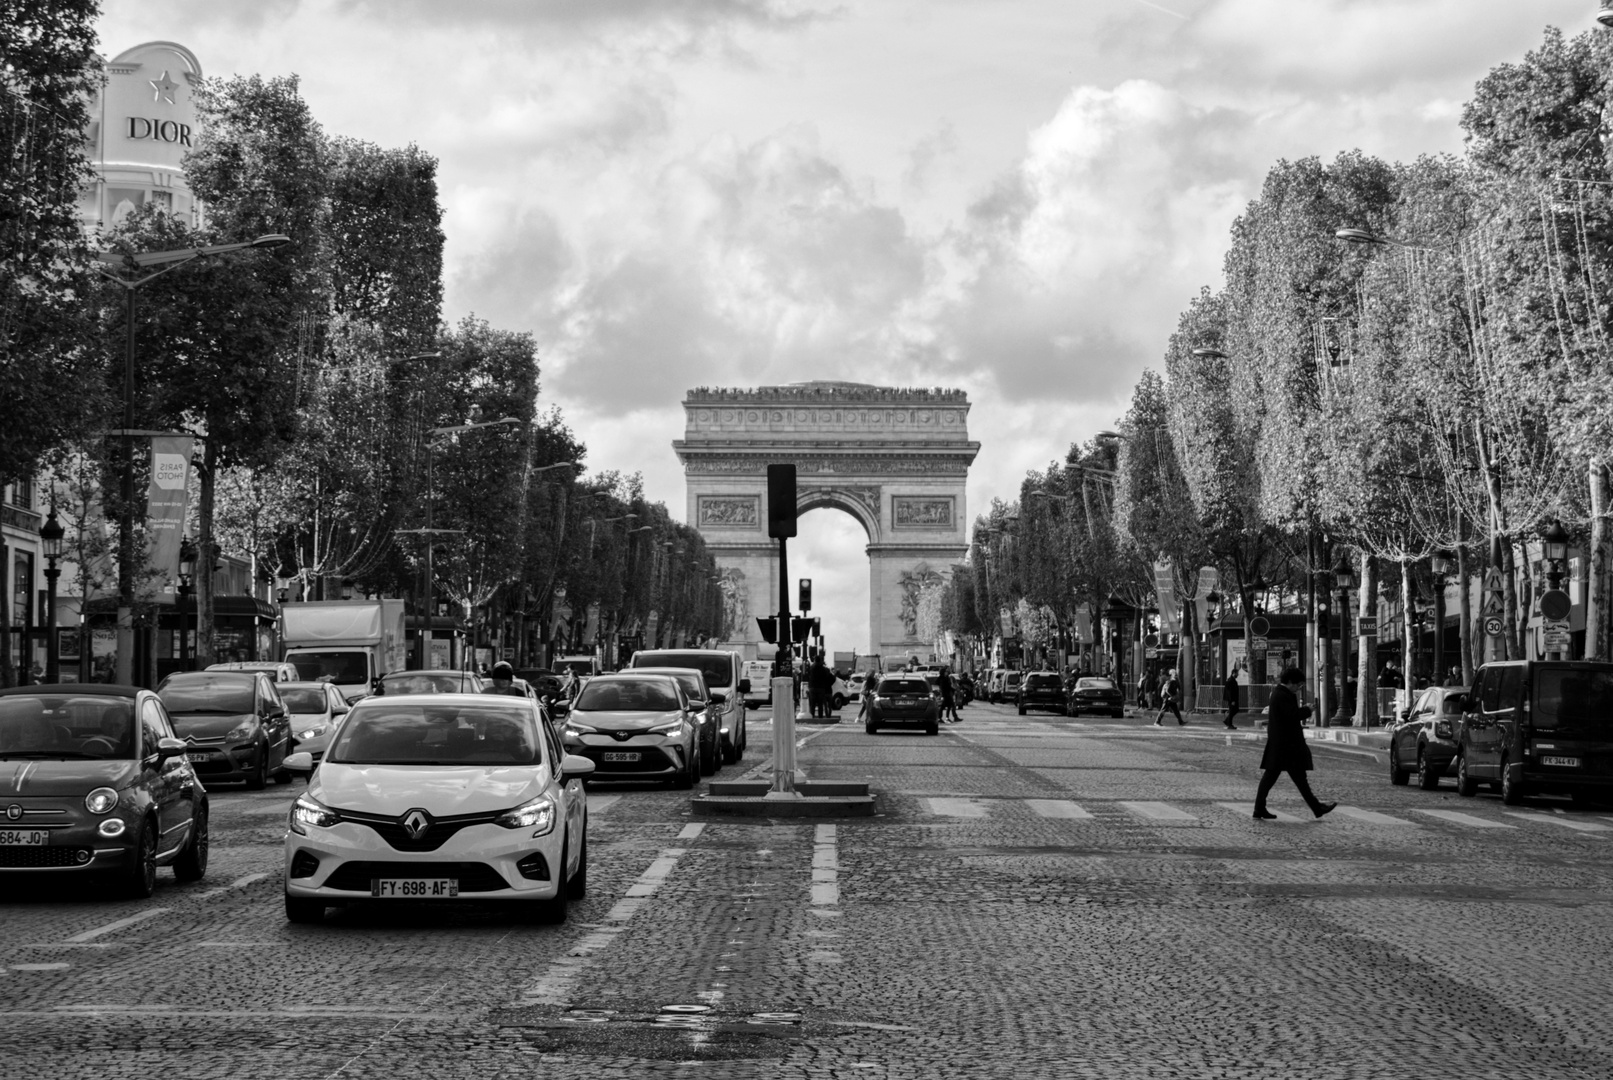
(560, 708)
(299, 764)
(744, 686)
(575, 767)
(170, 748)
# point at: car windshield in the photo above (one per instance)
(304, 699)
(716, 667)
(66, 726)
(342, 667)
(208, 692)
(890, 687)
(1094, 684)
(427, 682)
(1569, 700)
(627, 695)
(391, 732)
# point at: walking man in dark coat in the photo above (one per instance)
(1232, 697)
(1286, 748)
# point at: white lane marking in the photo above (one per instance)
(598, 804)
(554, 985)
(1247, 809)
(111, 927)
(1370, 817)
(766, 764)
(962, 808)
(692, 830)
(239, 944)
(1160, 811)
(826, 868)
(41, 967)
(283, 809)
(1550, 819)
(1058, 808)
(1456, 817)
(238, 883)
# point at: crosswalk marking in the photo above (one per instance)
(1158, 811)
(1057, 808)
(1371, 817)
(598, 804)
(963, 808)
(1552, 819)
(1247, 809)
(1456, 817)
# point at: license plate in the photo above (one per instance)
(620, 756)
(24, 838)
(414, 888)
(204, 756)
(1567, 762)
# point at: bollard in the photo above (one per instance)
(783, 740)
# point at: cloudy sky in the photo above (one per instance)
(1015, 197)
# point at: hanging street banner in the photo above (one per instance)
(1083, 625)
(1170, 616)
(166, 500)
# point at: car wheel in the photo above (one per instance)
(577, 884)
(1022, 710)
(300, 909)
(141, 878)
(710, 757)
(192, 862)
(1427, 775)
(932, 729)
(839, 702)
(689, 774)
(1397, 775)
(552, 912)
(1466, 786)
(1512, 791)
(870, 727)
(260, 774)
(1118, 714)
(282, 777)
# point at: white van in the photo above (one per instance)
(760, 674)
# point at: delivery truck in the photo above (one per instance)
(351, 642)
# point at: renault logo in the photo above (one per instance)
(415, 823)
(13, 812)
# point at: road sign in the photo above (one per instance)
(1258, 643)
(1492, 625)
(1260, 626)
(1555, 605)
(1493, 582)
(1556, 636)
(1366, 626)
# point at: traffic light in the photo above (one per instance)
(780, 500)
(769, 628)
(801, 628)
(806, 595)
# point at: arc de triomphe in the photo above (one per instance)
(895, 459)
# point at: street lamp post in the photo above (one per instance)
(134, 264)
(1554, 604)
(187, 579)
(1344, 579)
(50, 537)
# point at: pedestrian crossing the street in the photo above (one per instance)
(1154, 812)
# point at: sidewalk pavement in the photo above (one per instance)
(1376, 738)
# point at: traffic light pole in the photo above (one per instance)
(783, 786)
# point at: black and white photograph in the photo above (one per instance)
(1140, 469)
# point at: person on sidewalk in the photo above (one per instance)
(949, 704)
(1170, 693)
(1232, 698)
(1286, 748)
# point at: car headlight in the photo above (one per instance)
(244, 732)
(671, 727)
(537, 815)
(310, 811)
(312, 733)
(577, 728)
(103, 800)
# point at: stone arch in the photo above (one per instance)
(897, 460)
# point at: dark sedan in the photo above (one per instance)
(235, 723)
(93, 784)
(1041, 690)
(1094, 693)
(903, 701)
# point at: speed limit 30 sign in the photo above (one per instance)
(1492, 625)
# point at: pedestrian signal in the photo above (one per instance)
(769, 628)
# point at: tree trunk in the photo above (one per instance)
(1465, 607)
(1509, 578)
(1189, 653)
(205, 558)
(1596, 568)
(1408, 629)
(1366, 689)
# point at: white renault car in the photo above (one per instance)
(440, 797)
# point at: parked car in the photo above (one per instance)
(635, 726)
(1096, 693)
(994, 685)
(440, 797)
(234, 723)
(316, 710)
(726, 683)
(279, 671)
(97, 787)
(1538, 727)
(1041, 690)
(435, 681)
(1010, 687)
(854, 685)
(903, 700)
(694, 689)
(1424, 740)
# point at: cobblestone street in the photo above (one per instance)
(1037, 897)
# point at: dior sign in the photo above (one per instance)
(168, 131)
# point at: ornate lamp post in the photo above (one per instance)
(50, 536)
(1344, 579)
(187, 584)
(1554, 604)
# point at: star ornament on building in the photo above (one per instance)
(164, 89)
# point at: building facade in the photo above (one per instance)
(143, 122)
